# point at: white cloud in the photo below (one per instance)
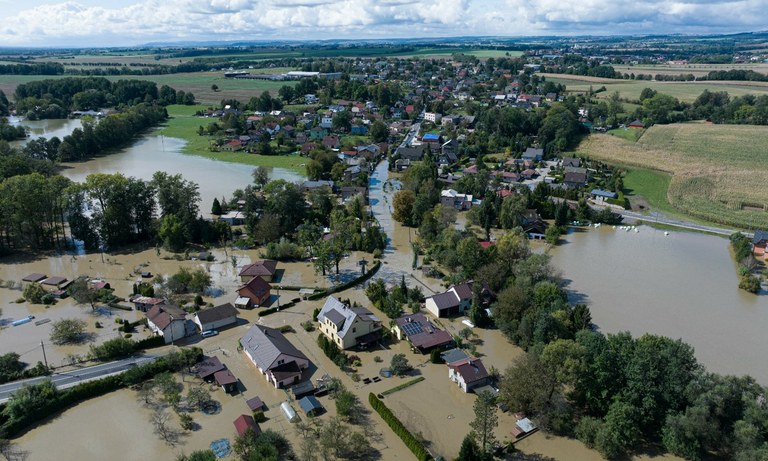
(73, 23)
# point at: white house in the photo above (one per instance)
(348, 326)
(216, 317)
(433, 117)
(468, 373)
(168, 322)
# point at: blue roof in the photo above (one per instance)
(310, 404)
(431, 136)
(603, 193)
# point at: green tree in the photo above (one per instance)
(399, 365)
(403, 206)
(485, 422)
(379, 131)
(260, 176)
(34, 293)
(68, 331)
(216, 207)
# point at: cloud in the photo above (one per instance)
(71, 23)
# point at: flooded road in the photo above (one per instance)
(681, 285)
(46, 128)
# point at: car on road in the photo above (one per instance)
(209, 333)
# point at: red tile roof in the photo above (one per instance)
(245, 422)
(265, 267)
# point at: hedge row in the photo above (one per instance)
(88, 390)
(413, 444)
(403, 386)
(149, 343)
(350, 284)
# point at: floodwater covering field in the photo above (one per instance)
(681, 285)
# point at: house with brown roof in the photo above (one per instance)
(265, 269)
(167, 321)
(455, 301)
(208, 367)
(254, 293)
(145, 303)
(34, 278)
(347, 326)
(468, 374)
(331, 141)
(275, 357)
(637, 124)
(421, 333)
(575, 179)
(226, 380)
(216, 317)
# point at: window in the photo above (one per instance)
(354, 330)
(280, 362)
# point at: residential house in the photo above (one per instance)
(361, 130)
(600, 195)
(468, 373)
(326, 121)
(317, 133)
(571, 162)
(421, 333)
(432, 139)
(274, 356)
(254, 293)
(528, 173)
(265, 269)
(317, 184)
(145, 303)
(233, 218)
(535, 155)
(33, 278)
(233, 146)
(457, 300)
(352, 173)
(402, 164)
(216, 317)
(412, 153)
(461, 202)
(760, 243)
(349, 192)
(533, 226)
(168, 321)
(347, 326)
(55, 283)
(637, 124)
(575, 180)
(446, 159)
(433, 117)
(331, 141)
(310, 99)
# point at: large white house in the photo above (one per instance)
(275, 357)
(347, 326)
(168, 322)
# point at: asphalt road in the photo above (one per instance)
(71, 378)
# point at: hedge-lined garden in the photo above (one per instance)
(413, 444)
(32, 404)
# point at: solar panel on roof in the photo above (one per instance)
(411, 329)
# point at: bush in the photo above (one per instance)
(434, 356)
(259, 416)
(332, 351)
(113, 349)
(34, 293)
(266, 312)
(413, 444)
(749, 283)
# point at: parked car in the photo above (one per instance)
(209, 333)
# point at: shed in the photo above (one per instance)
(226, 380)
(303, 389)
(245, 422)
(310, 405)
(289, 412)
(208, 367)
(255, 403)
(34, 278)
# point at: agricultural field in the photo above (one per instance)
(718, 171)
(183, 124)
(630, 89)
(696, 69)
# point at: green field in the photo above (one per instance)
(629, 134)
(183, 124)
(718, 172)
(630, 89)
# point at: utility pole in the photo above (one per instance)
(45, 359)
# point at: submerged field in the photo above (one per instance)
(718, 171)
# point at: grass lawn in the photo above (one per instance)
(183, 124)
(717, 172)
(630, 134)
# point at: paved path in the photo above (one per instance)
(71, 378)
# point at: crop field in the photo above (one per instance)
(718, 171)
(630, 89)
(695, 69)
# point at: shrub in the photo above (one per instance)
(34, 293)
(266, 312)
(435, 357)
(259, 416)
(413, 444)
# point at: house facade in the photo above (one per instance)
(347, 326)
(468, 374)
(254, 293)
(167, 321)
(274, 356)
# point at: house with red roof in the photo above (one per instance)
(265, 269)
(243, 423)
(421, 333)
(468, 374)
(253, 293)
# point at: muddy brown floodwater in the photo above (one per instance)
(681, 285)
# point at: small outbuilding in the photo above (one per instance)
(34, 278)
(245, 422)
(289, 412)
(216, 317)
(208, 367)
(226, 380)
(311, 406)
(255, 404)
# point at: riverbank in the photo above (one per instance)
(184, 124)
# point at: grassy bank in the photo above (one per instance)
(716, 173)
(183, 124)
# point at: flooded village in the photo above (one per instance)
(374, 302)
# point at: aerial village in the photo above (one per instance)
(374, 283)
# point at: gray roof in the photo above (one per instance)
(410, 153)
(760, 235)
(342, 316)
(214, 314)
(310, 404)
(266, 344)
(446, 300)
(603, 193)
(453, 355)
(533, 154)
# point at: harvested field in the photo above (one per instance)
(718, 172)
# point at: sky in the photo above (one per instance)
(93, 23)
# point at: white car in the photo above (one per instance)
(209, 333)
